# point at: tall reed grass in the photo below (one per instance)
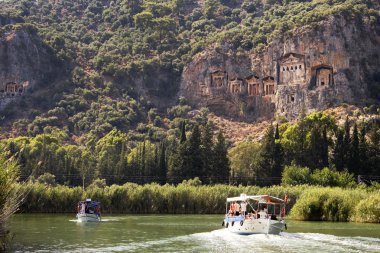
(305, 202)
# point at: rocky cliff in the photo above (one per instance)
(317, 67)
(25, 64)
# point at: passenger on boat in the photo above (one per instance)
(237, 208)
(243, 208)
(83, 208)
(263, 214)
(252, 213)
(231, 210)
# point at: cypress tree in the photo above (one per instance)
(301, 145)
(354, 162)
(194, 153)
(267, 154)
(206, 152)
(346, 143)
(162, 167)
(314, 155)
(374, 149)
(325, 148)
(142, 159)
(278, 155)
(183, 132)
(277, 133)
(221, 163)
(339, 151)
(363, 152)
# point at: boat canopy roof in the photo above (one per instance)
(259, 198)
(90, 203)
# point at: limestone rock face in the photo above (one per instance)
(219, 79)
(315, 68)
(25, 64)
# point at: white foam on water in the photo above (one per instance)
(222, 241)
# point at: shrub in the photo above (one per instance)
(331, 177)
(294, 175)
(47, 179)
(368, 209)
(328, 204)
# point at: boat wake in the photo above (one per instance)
(223, 241)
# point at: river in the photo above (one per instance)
(182, 233)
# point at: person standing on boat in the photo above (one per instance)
(83, 209)
(232, 209)
(237, 208)
(243, 208)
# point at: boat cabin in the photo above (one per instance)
(256, 207)
(88, 207)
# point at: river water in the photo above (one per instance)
(183, 233)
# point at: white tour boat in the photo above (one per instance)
(88, 211)
(261, 214)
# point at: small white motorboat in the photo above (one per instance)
(261, 214)
(88, 211)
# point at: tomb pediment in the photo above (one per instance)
(252, 77)
(291, 58)
(321, 66)
(268, 79)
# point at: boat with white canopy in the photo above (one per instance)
(88, 211)
(259, 214)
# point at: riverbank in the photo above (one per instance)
(305, 202)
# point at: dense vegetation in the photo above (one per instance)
(123, 56)
(99, 124)
(312, 149)
(11, 197)
(190, 197)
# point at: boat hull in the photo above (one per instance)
(88, 217)
(255, 226)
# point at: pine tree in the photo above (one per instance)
(339, 151)
(221, 163)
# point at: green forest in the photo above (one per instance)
(108, 52)
(315, 150)
(94, 123)
(108, 124)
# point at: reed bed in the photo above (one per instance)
(305, 202)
